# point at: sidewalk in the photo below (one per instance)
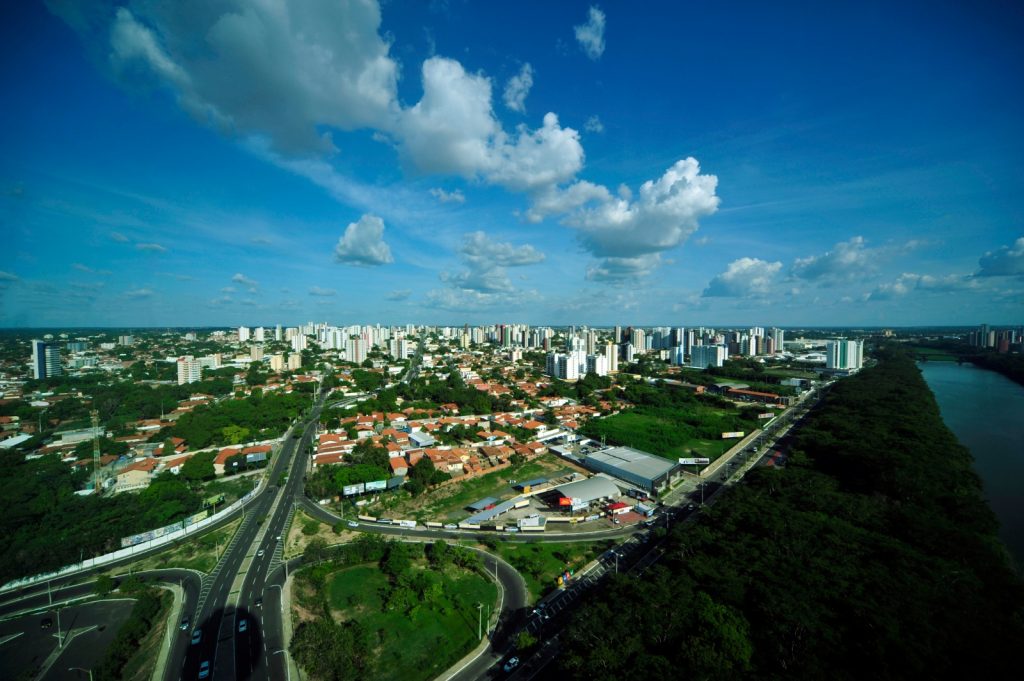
(286, 626)
(160, 668)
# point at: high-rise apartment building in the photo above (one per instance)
(190, 370)
(45, 360)
(243, 334)
(704, 356)
(847, 355)
(611, 353)
(355, 350)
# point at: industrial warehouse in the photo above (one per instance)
(650, 473)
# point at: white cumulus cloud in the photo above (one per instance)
(908, 282)
(268, 68)
(363, 243)
(322, 292)
(594, 124)
(517, 88)
(590, 34)
(847, 261)
(454, 196)
(1005, 261)
(486, 262)
(744, 278)
(240, 278)
(453, 130)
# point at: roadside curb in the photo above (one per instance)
(160, 668)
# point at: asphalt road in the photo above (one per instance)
(87, 629)
(242, 577)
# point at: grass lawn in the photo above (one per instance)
(420, 646)
(541, 563)
(449, 503)
(671, 434)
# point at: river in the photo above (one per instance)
(985, 410)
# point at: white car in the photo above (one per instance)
(512, 663)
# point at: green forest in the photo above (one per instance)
(257, 417)
(46, 526)
(872, 554)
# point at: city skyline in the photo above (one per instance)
(451, 163)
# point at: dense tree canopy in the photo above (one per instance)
(45, 525)
(871, 555)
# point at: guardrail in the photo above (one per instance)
(120, 554)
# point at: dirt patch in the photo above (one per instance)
(297, 540)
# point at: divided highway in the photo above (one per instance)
(236, 627)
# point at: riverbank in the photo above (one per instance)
(983, 409)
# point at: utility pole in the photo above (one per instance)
(479, 620)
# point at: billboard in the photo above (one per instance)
(349, 490)
(694, 462)
(730, 435)
(766, 415)
(376, 485)
(193, 519)
(565, 501)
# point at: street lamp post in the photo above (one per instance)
(60, 637)
(82, 669)
(479, 620)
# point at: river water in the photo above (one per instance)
(985, 410)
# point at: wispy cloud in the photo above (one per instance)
(151, 247)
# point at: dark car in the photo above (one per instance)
(197, 636)
(184, 623)
(46, 623)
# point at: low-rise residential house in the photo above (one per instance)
(136, 475)
(399, 466)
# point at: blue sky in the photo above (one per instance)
(223, 163)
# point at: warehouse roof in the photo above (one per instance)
(632, 461)
(590, 489)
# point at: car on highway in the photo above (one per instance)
(512, 663)
(243, 624)
(184, 623)
(259, 602)
(204, 669)
(353, 523)
(197, 636)
(46, 623)
(259, 554)
(690, 507)
(451, 526)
